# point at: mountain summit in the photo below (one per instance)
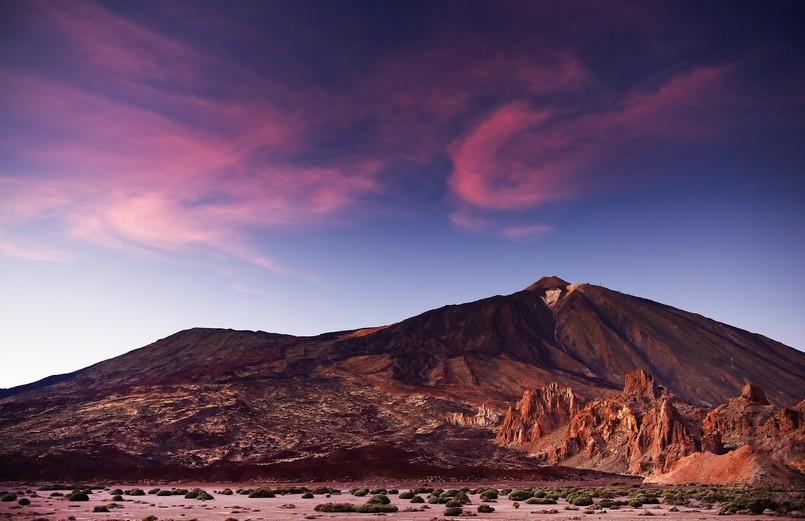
(425, 395)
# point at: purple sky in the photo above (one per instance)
(303, 167)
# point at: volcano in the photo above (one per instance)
(423, 397)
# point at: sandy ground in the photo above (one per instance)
(293, 507)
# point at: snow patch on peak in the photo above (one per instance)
(552, 296)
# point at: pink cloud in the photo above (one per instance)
(519, 157)
(527, 232)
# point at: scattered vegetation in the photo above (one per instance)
(453, 511)
(77, 495)
(100, 508)
(260, 492)
(483, 508)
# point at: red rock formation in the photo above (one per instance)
(485, 417)
(640, 431)
(538, 414)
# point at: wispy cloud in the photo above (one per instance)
(520, 157)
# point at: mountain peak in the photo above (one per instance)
(546, 283)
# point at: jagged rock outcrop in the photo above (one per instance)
(639, 431)
(647, 430)
(484, 417)
(539, 413)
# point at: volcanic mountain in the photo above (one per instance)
(422, 397)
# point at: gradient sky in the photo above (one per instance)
(303, 167)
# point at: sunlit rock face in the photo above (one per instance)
(427, 396)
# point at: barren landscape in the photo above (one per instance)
(250, 502)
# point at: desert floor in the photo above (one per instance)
(294, 507)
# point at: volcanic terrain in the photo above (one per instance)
(430, 396)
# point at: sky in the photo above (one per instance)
(305, 167)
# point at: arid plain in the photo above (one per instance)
(231, 502)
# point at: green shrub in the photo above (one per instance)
(376, 491)
(360, 492)
(164, 492)
(334, 507)
(406, 495)
(24, 501)
(423, 490)
(115, 492)
(375, 508)
(379, 499)
(635, 503)
(117, 497)
(56, 494)
(540, 501)
(225, 492)
(485, 509)
(453, 511)
(393, 492)
(78, 496)
(179, 491)
(520, 495)
(150, 518)
(100, 508)
(262, 492)
(489, 494)
(417, 499)
(9, 496)
(307, 495)
(135, 492)
(153, 491)
(325, 490)
(580, 499)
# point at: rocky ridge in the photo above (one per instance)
(646, 430)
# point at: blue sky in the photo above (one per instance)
(319, 166)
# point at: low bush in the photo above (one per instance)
(56, 494)
(406, 495)
(179, 491)
(489, 494)
(540, 501)
(379, 499)
(24, 501)
(453, 511)
(116, 492)
(164, 492)
(423, 490)
(262, 492)
(417, 499)
(9, 496)
(307, 495)
(580, 499)
(100, 508)
(334, 507)
(393, 491)
(153, 491)
(225, 492)
(452, 503)
(78, 496)
(375, 508)
(378, 491)
(360, 492)
(485, 509)
(135, 492)
(150, 518)
(520, 495)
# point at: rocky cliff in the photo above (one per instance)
(646, 430)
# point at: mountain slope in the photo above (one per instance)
(215, 403)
